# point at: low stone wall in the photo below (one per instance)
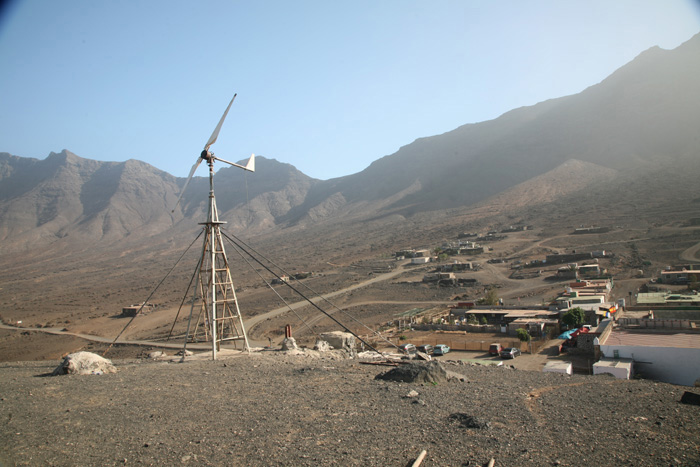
(457, 327)
(461, 344)
(603, 331)
(656, 323)
(471, 345)
(686, 311)
(692, 315)
(584, 344)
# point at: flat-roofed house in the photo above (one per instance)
(668, 356)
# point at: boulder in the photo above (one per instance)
(322, 346)
(469, 421)
(84, 363)
(340, 340)
(690, 398)
(289, 343)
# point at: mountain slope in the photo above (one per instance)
(571, 177)
(66, 195)
(72, 200)
(645, 112)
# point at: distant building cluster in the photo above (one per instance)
(658, 337)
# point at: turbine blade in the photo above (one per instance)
(215, 135)
(189, 177)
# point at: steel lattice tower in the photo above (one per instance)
(218, 317)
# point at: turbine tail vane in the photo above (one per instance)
(250, 165)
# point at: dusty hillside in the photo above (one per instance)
(643, 113)
(573, 176)
(267, 409)
(81, 239)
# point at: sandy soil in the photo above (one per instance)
(270, 408)
(40, 299)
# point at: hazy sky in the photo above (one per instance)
(327, 86)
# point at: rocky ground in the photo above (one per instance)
(272, 408)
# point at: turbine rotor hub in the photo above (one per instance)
(207, 155)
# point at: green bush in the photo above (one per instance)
(574, 318)
(523, 335)
(491, 298)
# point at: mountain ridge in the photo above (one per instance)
(642, 115)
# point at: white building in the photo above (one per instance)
(620, 369)
(669, 356)
(420, 260)
(559, 367)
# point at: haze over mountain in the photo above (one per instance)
(647, 111)
(642, 118)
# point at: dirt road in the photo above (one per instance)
(249, 324)
(252, 322)
(107, 340)
(691, 254)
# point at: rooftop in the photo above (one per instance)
(610, 363)
(681, 340)
(665, 297)
(510, 313)
(535, 321)
(557, 365)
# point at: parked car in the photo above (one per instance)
(510, 352)
(408, 349)
(426, 349)
(495, 349)
(441, 349)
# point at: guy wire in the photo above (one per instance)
(301, 294)
(153, 292)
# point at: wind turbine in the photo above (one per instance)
(208, 156)
(219, 309)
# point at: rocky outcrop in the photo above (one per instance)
(416, 372)
(84, 363)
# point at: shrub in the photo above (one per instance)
(491, 298)
(523, 335)
(574, 318)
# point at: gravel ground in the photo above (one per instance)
(270, 408)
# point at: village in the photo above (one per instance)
(588, 327)
(548, 307)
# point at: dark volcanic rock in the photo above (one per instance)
(690, 398)
(468, 421)
(275, 409)
(416, 372)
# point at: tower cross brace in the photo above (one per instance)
(219, 316)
